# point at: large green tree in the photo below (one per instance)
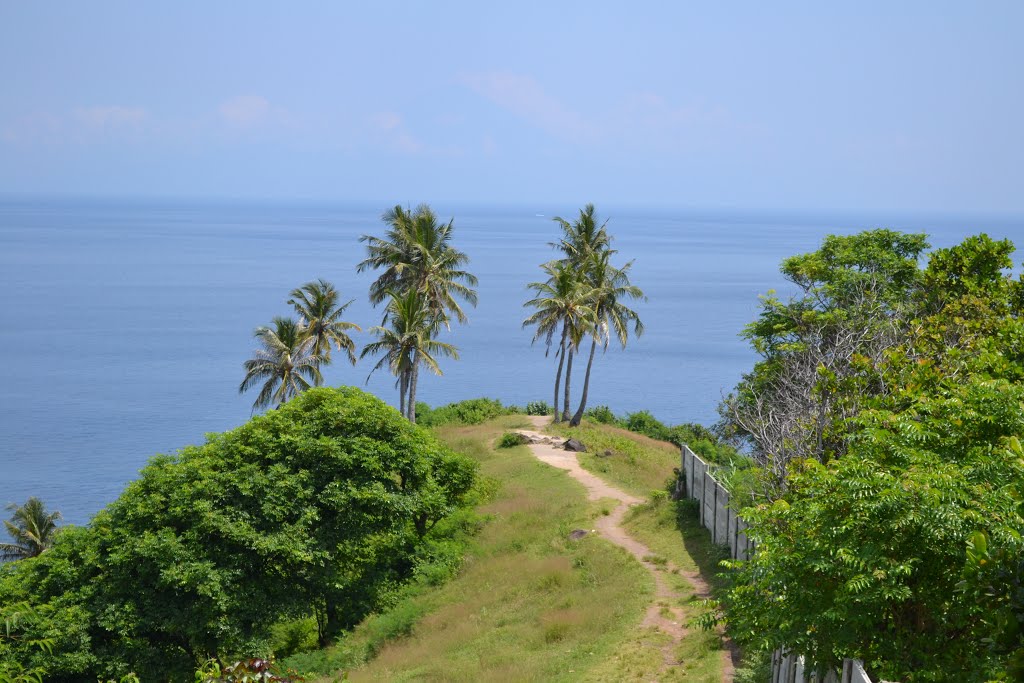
(317, 508)
(896, 538)
(856, 298)
(32, 529)
(286, 364)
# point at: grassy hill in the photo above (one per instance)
(531, 604)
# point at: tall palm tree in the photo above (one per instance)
(416, 254)
(563, 305)
(583, 237)
(320, 315)
(32, 528)
(609, 286)
(407, 344)
(286, 364)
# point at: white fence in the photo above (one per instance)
(727, 528)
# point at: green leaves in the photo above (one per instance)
(318, 507)
(889, 407)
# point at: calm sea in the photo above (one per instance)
(126, 322)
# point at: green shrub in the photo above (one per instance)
(643, 422)
(690, 433)
(511, 440)
(321, 504)
(538, 408)
(602, 414)
(294, 635)
(469, 412)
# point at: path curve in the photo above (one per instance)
(548, 450)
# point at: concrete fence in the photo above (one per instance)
(727, 528)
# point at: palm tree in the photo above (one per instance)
(416, 254)
(31, 527)
(581, 240)
(583, 237)
(286, 363)
(317, 306)
(563, 304)
(407, 343)
(608, 287)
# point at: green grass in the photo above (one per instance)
(672, 530)
(638, 464)
(528, 604)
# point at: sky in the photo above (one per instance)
(776, 105)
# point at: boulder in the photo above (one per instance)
(577, 534)
(574, 445)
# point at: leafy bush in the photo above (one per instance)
(293, 635)
(470, 412)
(602, 414)
(538, 408)
(643, 422)
(319, 507)
(511, 440)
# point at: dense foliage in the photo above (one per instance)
(318, 508)
(887, 413)
(472, 411)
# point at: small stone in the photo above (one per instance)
(574, 445)
(577, 534)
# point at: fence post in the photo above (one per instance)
(714, 514)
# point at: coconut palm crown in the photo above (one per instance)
(32, 528)
(317, 305)
(416, 254)
(285, 364)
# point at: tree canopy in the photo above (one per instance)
(888, 414)
(316, 508)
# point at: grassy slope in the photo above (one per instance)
(643, 466)
(638, 464)
(671, 529)
(531, 605)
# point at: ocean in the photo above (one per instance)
(126, 322)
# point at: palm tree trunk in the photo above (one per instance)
(403, 390)
(568, 374)
(586, 387)
(558, 375)
(412, 385)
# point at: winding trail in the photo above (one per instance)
(548, 450)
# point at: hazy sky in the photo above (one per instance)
(891, 105)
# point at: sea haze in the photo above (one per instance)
(126, 322)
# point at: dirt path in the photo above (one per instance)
(548, 449)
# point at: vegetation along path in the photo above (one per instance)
(662, 614)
